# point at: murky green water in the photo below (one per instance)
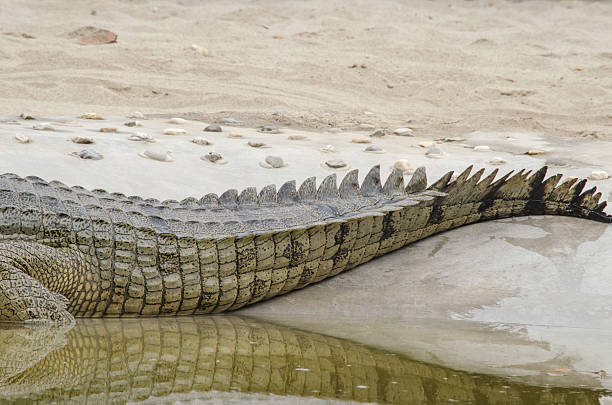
(230, 359)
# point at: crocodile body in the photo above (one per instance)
(66, 251)
(188, 360)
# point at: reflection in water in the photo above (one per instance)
(116, 361)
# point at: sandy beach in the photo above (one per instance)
(443, 66)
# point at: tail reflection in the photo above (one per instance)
(116, 361)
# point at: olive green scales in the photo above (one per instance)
(66, 251)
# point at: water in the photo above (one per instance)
(232, 359)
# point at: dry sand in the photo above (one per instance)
(450, 66)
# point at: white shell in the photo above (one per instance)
(92, 116)
(201, 141)
(403, 132)
(161, 156)
(328, 149)
(177, 121)
(21, 138)
(174, 131)
(142, 137)
(498, 161)
(44, 126)
(202, 51)
(136, 115)
(599, 175)
(482, 148)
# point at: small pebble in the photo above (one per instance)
(21, 138)
(403, 131)
(26, 116)
(275, 161)
(403, 165)
(453, 139)
(254, 144)
(426, 144)
(297, 137)
(599, 175)
(202, 51)
(270, 129)
(361, 140)
(214, 157)
(45, 126)
(92, 116)
(88, 154)
(374, 149)
(482, 148)
(82, 140)
(434, 153)
(378, 133)
(498, 161)
(368, 113)
(228, 121)
(366, 126)
(534, 152)
(336, 163)
(201, 141)
(133, 124)
(136, 115)
(177, 121)
(213, 128)
(141, 137)
(174, 131)
(328, 149)
(108, 129)
(235, 135)
(159, 155)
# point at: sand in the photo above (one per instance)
(445, 66)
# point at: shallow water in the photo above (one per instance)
(231, 359)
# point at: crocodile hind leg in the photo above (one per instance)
(39, 283)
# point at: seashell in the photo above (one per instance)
(21, 138)
(403, 165)
(177, 121)
(361, 140)
(404, 131)
(133, 124)
(108, 129)
(427, 144)
(213, 128)
(142, 137)
(235, 135)
(273, 162)
(297, 137)
(174, 131)
(214, 157)
(366, 126)
(269, 129)
(374, 149)
(92, 116)
(82, 140)
(434, 153)
(44, 126)
(482, 148)
(336, 163)
(535, 152)
(26, 116)
(159, 155)
(228, 121)
(202, 51)
(87, 154)
(201, 141)
(136, 114)
(328, 149)
(378, 133)
(599, 175)
(498, 161)
(254, 144)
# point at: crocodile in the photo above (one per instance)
(69, 252)
(212, 358)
